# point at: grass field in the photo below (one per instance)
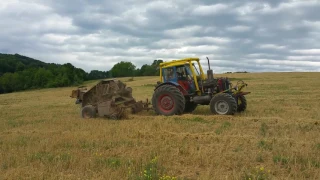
(43, 137)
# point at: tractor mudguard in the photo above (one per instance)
(184, 92)
(241, 93)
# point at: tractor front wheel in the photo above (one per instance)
(168, 100)
(223, 104)
(242, 103)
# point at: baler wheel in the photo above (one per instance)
(88, 112)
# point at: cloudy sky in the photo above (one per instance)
(237, 35)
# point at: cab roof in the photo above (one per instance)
(177, 62)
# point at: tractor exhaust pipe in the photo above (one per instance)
(209, 72)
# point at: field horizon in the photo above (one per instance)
(277, 137)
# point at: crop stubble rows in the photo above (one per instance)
(43, 136)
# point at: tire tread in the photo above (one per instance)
(230, 100)
(177, 95)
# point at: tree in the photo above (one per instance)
(42, 77)
(95, 74)
(123, 69)
(155, 66)
(20, 66)
(156, 63)
(6, 83)
(147, 70)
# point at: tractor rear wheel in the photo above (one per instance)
(242, 103)
(168, 100)
(189, 107)
(88, 111)
(223, 104)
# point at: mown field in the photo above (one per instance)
(43, 137)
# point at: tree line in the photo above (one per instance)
(19, 72)
(126, 69)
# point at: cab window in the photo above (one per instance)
(168, 74)
(182, 73)
(189, 72)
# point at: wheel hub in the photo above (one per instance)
(221, 107)
(86, 114)
(166, 103)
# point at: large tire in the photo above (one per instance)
(189, 107)
(88, 111)
(168, 100)
(242, 103)
(223, 104)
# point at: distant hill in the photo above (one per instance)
(19, 72)
(12, 63)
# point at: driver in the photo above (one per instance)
(169, 73)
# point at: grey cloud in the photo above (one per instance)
(239, 28)
(208, 10)
(307, 51)
(238, 35)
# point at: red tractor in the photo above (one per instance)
(183, 85)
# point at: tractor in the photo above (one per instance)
(183, 86)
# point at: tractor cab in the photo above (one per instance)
(185, 73)
(180, 74)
